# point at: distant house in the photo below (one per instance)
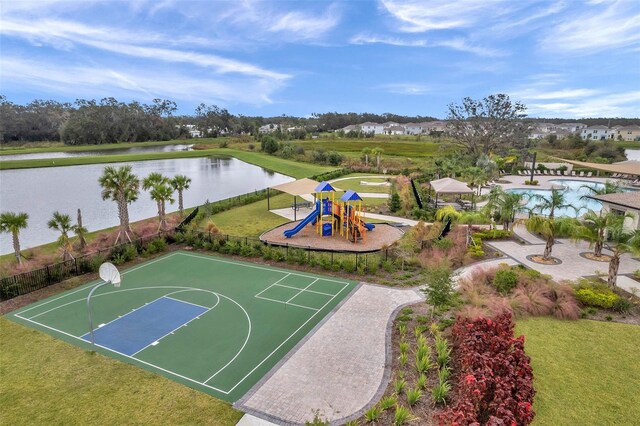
(192, 129)
(351, 128)
(627, 133)
(413, 129)
(394, 130)
(571, 127)
(433, 126)
(268, 128)
(596, 133)
(369, 126)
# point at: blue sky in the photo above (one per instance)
(568, 58)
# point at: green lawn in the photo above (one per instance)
(390, 146)
(48, 381)
(61, 147)
(253, 219)
(585, 372)
(353, 183)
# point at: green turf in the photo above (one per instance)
(258, 315)
(585, 372)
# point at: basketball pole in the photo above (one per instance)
(90, 311)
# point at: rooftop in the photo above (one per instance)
(629, 199)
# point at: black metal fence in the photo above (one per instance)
(36, 279)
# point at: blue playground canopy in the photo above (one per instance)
(350, 196)
(324, 187)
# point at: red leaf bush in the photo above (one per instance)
(495, 379)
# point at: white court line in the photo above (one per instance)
(127, 356)
(309, 291)
(286, 340)
(272, 285)
(298, 293)
(155, 342)
(256, 267)
(88, 287)
(191, 303)
(285, 303)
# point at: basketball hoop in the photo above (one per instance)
(110, 275)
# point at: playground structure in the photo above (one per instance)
(331, 217)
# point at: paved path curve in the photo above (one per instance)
(340, 369)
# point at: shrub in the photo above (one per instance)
(440, 287)
(388, 402)
(495, 379)
(421, 382)
(413, 396)
(531, 182)
(622, 305)
(443, 243)
(492, 234)
(399, 385)
(402, 416)
(532, 299)
(403, 359)
(423, 364)
(565, 305)
(372, 414)
(505, 280)
(598, 295)
(348, 265)
(157, 245)
(440, 392)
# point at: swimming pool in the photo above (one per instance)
(574, 190)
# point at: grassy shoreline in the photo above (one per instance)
(60, 147)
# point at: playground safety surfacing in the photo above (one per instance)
(213, 324)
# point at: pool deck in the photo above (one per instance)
(517, 182)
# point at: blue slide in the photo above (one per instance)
(307, 220)
(369, 226)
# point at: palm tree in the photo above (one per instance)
(503, 206)
(476, 178)
(366, 151)
(180, 183)
(549, 228)
(12, 223)
(555, 200)
(594, 229)
(81, 231)
(610, 187)
(62, 223)
(621, 241)
(123, 187)
(378, 153)
(154, 179)
(162, 193)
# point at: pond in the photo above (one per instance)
(40, 192)
(114, 151)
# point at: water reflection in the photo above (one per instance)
(40, 192)
(115, 151)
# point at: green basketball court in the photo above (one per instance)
(213, 324)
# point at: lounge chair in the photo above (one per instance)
(552, 172)
(581, 174)
(546, 172)
(573, 173)
(589, 174)
(519, 172)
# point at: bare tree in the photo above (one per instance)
(493, 124)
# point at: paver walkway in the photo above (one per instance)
(521, 231)
(573, 265)
(339, 369)
(249, 420)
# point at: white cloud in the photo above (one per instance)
(603, 26)
(66, 34)
(464, 45)
(419, 16)
(534, 94)
(584, 103)
(305, 25)
(406, 88)
(393, 41)
(100, 80)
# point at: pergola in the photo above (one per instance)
(449, 186)
(628, 167)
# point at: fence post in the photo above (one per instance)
(75, 261)
(46, 268)
(386, 254)
(356, 261)
(287, 250)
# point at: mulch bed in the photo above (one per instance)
(537, 258)
(591, 256)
